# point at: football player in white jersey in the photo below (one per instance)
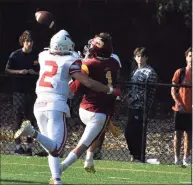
(57, 66)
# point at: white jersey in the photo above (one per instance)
(55, 71)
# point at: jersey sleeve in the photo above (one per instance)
(77, 87)
(86, 67)
(176, 76)
(75, 67)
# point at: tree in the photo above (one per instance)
(181, 6)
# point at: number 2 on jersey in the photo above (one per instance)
(109, 78)
(54, 68)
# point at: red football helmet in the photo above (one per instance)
(99, 46)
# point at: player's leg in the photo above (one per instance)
(95, 123)
(27, 130)
(41, 117)
(98, 146)
(94, 152)
(177, 136)
(57, 132)
(187, 139)
(133, 133)
(177, 145)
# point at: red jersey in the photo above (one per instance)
(104, 71)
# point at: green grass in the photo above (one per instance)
(35, 170)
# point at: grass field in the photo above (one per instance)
(34, 170)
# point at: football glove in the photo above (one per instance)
(116, 131)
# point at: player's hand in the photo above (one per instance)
(23, 71)
(116, 92)
(116, 131)
(31, 71)
(181, 108)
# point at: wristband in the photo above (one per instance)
(110, 90)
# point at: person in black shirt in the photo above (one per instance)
(23, 66)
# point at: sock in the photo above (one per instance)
(184, 158)
(89, 156)
(70, 159)
(176, 158)
(18, 146)
(46, 142)
(54, 164)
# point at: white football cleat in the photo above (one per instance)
(89, 166)
(187, 161)
(25, 130)
(55, 181)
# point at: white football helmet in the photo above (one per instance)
(61, 43)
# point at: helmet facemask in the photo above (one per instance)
(99, 47)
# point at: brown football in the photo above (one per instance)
(45, 17)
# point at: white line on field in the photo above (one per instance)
(110, 169)
(118, 178)
(185, 182)
(42, 172)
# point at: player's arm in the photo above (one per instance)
(10, 66)
(175, 90)
(92, 84)
(12, 71)
(88, 82)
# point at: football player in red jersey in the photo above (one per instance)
(95, 108)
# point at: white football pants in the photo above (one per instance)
(95, 124)
(53, 125)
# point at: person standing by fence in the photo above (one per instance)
(144, 73)
(23, 63)
(183, 109)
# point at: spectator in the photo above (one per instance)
(183, 109)
(24, 66)
(134, 129)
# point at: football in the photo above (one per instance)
(45, 18)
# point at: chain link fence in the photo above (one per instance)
(159, 132)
